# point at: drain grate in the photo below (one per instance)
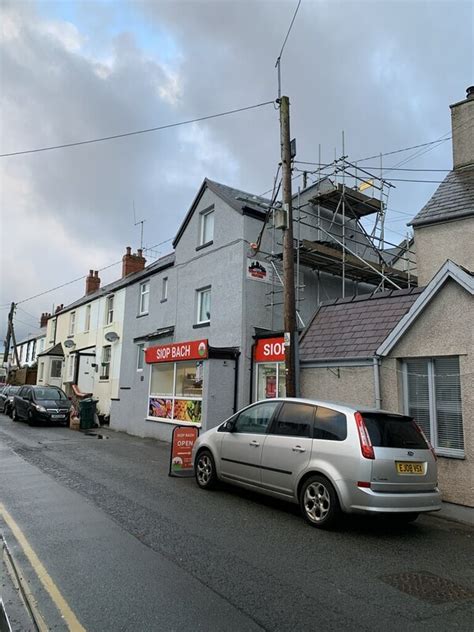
(428, 587)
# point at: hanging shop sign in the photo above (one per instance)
(176, 351)
(181, 462)
(270, 350)
(259, 271)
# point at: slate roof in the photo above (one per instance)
(355, 327)
(453, 199)
(159, 264)
(57, 350)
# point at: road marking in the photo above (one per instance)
(61, 604)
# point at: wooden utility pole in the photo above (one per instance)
(288, 250)
(11, 333)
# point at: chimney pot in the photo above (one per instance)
(470, 92)
(129, 250)
(140, 252)
(91, 272)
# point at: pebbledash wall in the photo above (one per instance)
(240, 307)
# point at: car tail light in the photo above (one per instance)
(428, 443)
(365, 443)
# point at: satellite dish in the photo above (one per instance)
(111, 336)
(69, 344)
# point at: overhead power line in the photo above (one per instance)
(136, 132)
(398, 151)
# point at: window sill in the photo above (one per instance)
(173, 422)
(199, 325)
(163, 300)
(208, 243)
(104, 379)
(141, 315)
(459, 456)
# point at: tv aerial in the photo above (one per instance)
(136, 222)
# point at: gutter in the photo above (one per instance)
(377, 393)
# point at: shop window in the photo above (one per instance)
(56, 368)
(72, 323)
(204, 305)
(270, 380)
(207, 227)
(176, 391)
(433, 397)
(105, 365)
(144, 298)
(140, 356)
(109, 309)
(87, 324)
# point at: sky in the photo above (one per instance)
(382, 72)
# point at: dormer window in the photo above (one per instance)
(207, 227)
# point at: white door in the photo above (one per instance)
(85, 380)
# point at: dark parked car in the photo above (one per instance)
(38, 404)
(6, 398)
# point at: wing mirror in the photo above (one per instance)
(229, 425)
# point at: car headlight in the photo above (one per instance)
(40, 409)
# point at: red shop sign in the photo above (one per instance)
(176, 351)
(270, 350)
(181, 462)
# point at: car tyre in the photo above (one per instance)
(14, 414)
(30, 419)
(205, 470)
(319, 503)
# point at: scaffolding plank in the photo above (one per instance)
(360, 204)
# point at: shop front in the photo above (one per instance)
(183, 389)
(269, 368)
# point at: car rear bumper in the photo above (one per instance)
(368, 501)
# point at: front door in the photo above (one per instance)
(241, 449)
(85, 378)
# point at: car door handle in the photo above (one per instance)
(298, 448)
(254, 443)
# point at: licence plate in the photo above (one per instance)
(410, 468)
(57, 416)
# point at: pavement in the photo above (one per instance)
(456, 513)
(129, 548)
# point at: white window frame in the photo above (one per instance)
(140, 356)
(164, 289)
(109, 309)
(72, 323)
(204, 218)
(54, 324)
(200, 293)
(71, 361)
(144, 298)
(441, 451)
(105, 364)
(87, 319)
(41, 372)
(56, 377)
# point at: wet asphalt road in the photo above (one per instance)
(132, 549)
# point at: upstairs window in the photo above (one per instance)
(144, 298)
(207, 227)
(204, 305)
(87, 323)
(109, 309)
(72, 323)
(164, 289)
(140, 356)
(433, 397)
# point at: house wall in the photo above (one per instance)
(352, 385)
(436, 243)
(445, 328)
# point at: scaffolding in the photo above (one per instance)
(349, 227)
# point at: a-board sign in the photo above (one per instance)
(181, 463)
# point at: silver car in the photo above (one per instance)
(329, 458)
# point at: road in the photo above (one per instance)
(129, 548)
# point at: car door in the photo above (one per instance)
(241, 449)
(20, 402)
(287, 447)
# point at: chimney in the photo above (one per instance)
(132, 262)
(58, 308)
(44, 319)
(92, 282)
(462, 125)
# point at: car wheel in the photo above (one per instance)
(31, 419)
(14, 414)
(319, 502)
(8, 411)
(206, 476)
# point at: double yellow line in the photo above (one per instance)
(61, 604)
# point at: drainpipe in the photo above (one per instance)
(378, 397)
(236, 380)
(297, 364)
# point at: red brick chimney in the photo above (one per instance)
(92, 282)
(59, 308)
(132, 262)
(44, 319)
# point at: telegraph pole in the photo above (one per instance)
(11, 333)
(288, 251)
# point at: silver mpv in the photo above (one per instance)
(329, 458)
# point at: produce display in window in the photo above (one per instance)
(176, 391)
(188, 410)
(161, 408)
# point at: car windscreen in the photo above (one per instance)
(13, 390)
(48, 393)
(393, 431)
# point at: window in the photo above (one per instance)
(176, 391)
(271, 380)
(87, 324)
(164, 289)
(144, 298)
(54, 324)
(255, 420)
(109, 310)
(329, 424)
(204, 305)
(140, 356)
(105, 366)
(393, 431)
(41, 372)
(294, 420)
(56, 368)
(433, 398)
(207, 227)
(72, 323)
(71, 361)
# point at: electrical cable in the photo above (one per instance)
(288, 33)
(134, 133)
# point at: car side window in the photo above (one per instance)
(255, 420)
(329, 424)
(294, 420)
(22, 392)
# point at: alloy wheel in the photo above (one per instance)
(204, 470)
(317, 502)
